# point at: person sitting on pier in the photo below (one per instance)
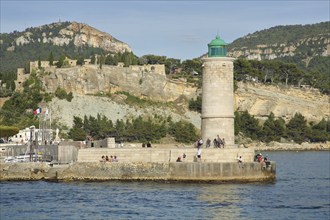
(219, 141)
(215, 143)
(258, 157)
(183, 157)
(106, 158)
(199, 154)
(240, 159)
(267, 162)
(223, 142)
(102, 158)
(208, 143)
(115, 159)
(179, 159)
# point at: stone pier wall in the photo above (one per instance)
(153, 155)
(100, 171)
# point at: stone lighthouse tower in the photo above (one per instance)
(218, 94)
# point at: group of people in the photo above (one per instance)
(264, 161)
(179, 159)
(148, 144)
(217, 142)
(109, 159)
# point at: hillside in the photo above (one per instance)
(259, 100)
(61, 38)
(303, 45)
(150, 81)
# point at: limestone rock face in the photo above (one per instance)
(260, 100)
(318, 46)
(77, 33)
(90, 79)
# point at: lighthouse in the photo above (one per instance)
(218, 94)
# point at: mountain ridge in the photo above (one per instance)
(69, 38)
(291, 43)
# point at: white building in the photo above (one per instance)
(31, 133)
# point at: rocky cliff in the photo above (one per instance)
(258, 99)
(60, 38)
(142, 81)
(65, 33)
(284, 49)
(303, 42)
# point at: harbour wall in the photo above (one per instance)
(106, 171)
(154, 155)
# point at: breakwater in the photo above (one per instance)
(104, 171)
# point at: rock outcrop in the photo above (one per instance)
(140, 81)
(285, 49)
(303, 42)
(78, 34)
(260, 100)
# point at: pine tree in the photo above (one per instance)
(297, 128)
(51, 58)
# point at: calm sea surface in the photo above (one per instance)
(302, 191)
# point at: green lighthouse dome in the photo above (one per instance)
(217, 47)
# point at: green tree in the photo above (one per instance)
(80, 61)
(101, 61)
(196, 104)
(39, 62)
(69, 97)
(60, 61)
(297, 128)
(77, 132)
(12, 85)
(51, 58)
(237, 123)
(249, 125)
(183, 131)
(93, 59)
(189, 66)
(60, 93)
(8, 131)
(320, 132)
(272, 129)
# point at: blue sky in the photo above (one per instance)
(176, 29)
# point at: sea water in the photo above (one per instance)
(302, 191)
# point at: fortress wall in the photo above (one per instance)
(152, 155)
